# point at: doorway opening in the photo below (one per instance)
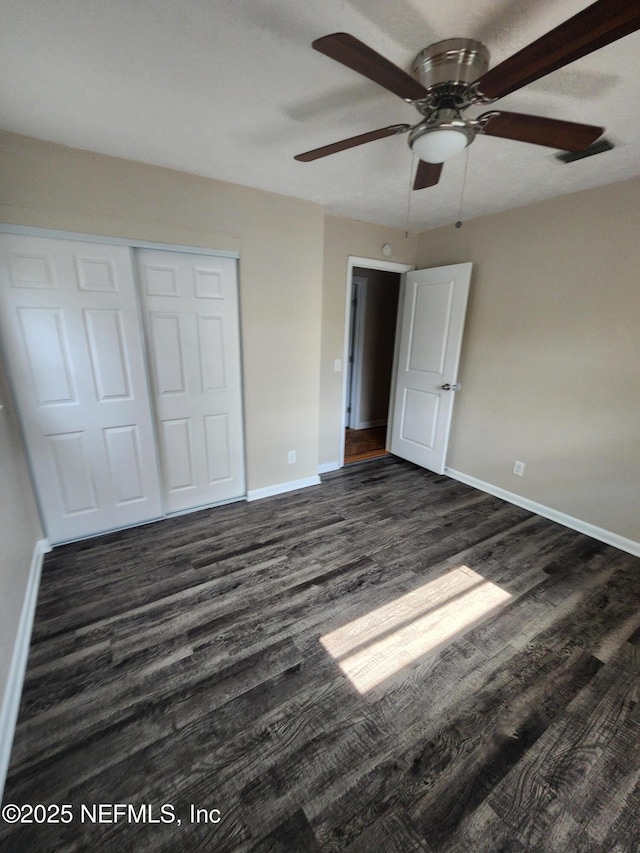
(426, 353)
(374, 298)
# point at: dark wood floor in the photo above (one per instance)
(225, 660)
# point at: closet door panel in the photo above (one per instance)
(192, 325)
(72, 339)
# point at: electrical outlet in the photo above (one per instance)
(337, 365)
(518, 468)
(292, 457)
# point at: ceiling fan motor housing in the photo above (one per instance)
(447, 70)
(452, 62)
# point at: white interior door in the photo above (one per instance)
(435, 302)
(71, 335)
(192, 325)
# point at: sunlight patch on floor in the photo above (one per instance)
(376, 646)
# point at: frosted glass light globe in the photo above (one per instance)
(440, 144)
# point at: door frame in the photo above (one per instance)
(355, 350)
(372, 264)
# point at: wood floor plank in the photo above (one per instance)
(83, 713)
(393, 833)
(624, 834)
(600, 728)
(208, 660)
(482, 830)
(440, 773)
(458, 791)
(293, 835)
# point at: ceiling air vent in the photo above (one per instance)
(598, 147)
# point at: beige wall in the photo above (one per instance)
(551, 350)
(19, 531)
(342, 238)
(551, 356)
(280, 241)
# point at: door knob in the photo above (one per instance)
(449, 387)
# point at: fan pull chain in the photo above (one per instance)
(413, 161)
(464, 181)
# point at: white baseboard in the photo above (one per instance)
(280, 488)
(10, 702)
(370, 424)
(599, 533)
(326, 467)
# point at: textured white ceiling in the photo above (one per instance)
(232, 89)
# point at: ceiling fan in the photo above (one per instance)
(450, 76)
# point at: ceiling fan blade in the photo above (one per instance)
(427, 175)
(566, 135)
(353, 53)
(361, 139)
(596, 26)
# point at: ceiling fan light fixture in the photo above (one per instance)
(440, 144)
(441, 138)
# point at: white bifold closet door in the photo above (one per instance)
(190, 305)
(71, 336)
(107, 451)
